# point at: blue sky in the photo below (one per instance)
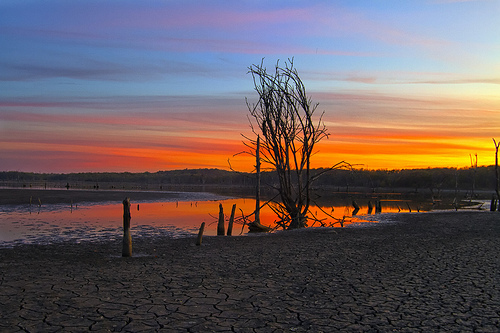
(403, 83)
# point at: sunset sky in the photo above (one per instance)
(159, 85)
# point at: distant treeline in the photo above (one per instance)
(482, 178)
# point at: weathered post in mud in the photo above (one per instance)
(493, 204)
(127, 238)
(200, 234)
(356, 208)
(378, 207)
(370, 207)
(220, 225)
(231, 221)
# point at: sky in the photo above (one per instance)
(114, 86)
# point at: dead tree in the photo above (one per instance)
(495, 202)
(284, 120)
(473, 166)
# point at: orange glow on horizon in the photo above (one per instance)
(374, 154)
(429, 133)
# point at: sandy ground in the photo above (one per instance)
(424, 272)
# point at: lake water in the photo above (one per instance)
(98, 222)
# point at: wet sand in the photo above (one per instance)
(425, 272)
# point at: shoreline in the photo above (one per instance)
(17, 196)
(425, 272)
(23, 230)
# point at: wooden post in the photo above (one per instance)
(200, 234)
(370, 207)
(493, 204)
(257, 188)
(231, 221)
(127, 238)
(220, 225)
(356, 208)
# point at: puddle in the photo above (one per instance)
(103, 222)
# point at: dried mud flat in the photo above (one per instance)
(425, 272)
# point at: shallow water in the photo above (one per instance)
(26, 224)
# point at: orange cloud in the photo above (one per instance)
(373, 130)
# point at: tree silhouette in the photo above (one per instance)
(497, 180)
(284, 119)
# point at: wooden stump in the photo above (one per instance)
(127, 238)
(356, 208)
(493, 205)
(200, 234)
(370, 207)
(231, 221)
(220, 225)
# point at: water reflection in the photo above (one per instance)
(52, 223)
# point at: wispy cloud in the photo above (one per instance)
(456, 1)
(460, 81)
(77, 78)
(92, 69)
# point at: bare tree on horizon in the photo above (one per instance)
(283, 118)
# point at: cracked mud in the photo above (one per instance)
(425, 273)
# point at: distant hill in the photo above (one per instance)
(483, 178)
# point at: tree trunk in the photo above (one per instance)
(298, 221)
